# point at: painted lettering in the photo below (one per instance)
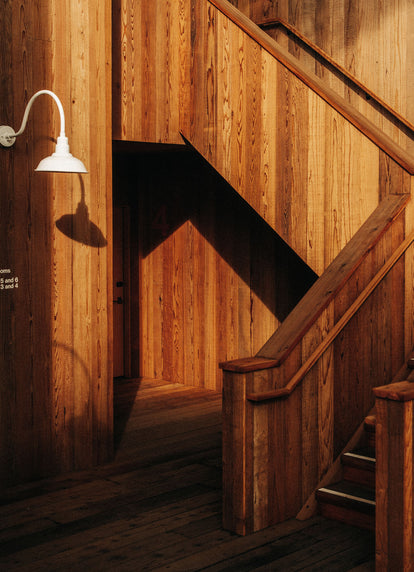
(9, 283)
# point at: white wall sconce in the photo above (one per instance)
(61, 161)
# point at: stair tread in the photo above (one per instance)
(364, 457)
(348, 491)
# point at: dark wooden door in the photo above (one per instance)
(120, 291)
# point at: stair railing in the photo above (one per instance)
(280, 436)
(294, 65)
(328, 61)
(336, 330)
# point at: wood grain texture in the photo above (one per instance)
(233, 121)
(372, 40)
(315, 179)
(159, 503)
(56, 400)
(394, 482)
(277, 143)
(203, 290)
(146, 69)
(309, 427)
(321, 60)
(287, 136)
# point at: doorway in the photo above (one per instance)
(121, 292)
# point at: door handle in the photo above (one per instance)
(118, 300)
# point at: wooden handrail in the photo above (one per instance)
(310, 307)
(306, 312)
(400, 391)
(336, 330)
(343, 71)
(404, 159)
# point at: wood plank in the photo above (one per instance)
(394, 445)
(54, 366)
(165, 514)
(314, 83)
(226, 299)
(335, 276)
(401, 391)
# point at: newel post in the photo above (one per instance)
(236, 451)
(245, 446)
(394, 477)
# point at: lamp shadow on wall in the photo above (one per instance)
(79, 227)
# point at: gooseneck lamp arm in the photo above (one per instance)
(29, 106)
(61, 160)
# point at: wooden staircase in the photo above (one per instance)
(352, 499)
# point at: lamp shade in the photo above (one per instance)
(61, 161)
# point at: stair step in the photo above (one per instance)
(348, 503)
(359, 467)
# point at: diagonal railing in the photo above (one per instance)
(336, 330)
(328, 62)
(291, 409)
(348, 111)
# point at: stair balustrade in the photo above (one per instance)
(290, 410)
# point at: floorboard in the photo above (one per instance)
(157, 506)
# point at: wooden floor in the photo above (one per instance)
(158, 505)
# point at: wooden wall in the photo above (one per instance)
(277, 142)
(277, 451)
(311, 176)
(372, 39)
(149, 74)
(55, 335)
(210, 280)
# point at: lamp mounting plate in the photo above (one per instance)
(7, 136)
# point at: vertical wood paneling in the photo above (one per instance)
(292, 132)
(373, 40)
(262, 136)
(308, 429)
(355, 378)
(207, 291)
(234, 455)
(56, 399)
(312, 176)
(394, 480)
